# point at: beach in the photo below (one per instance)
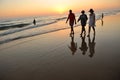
(57, 56)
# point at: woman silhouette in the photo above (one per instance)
(91, 21)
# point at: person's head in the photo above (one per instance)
(82, 11)
(91, 11)
(70, 11)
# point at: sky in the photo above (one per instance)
(12, 8)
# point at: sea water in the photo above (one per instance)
(18, 28)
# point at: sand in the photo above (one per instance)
(55, 56)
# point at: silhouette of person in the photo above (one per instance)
(83, 19)
(73, 46)
(34, 22)
(83, 47)
(91, 46)
(91, 21)
(102, 19)
(72, 20)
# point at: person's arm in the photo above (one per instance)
(75, 19)
(78, 19)
(67, 19)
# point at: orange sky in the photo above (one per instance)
(50, 7)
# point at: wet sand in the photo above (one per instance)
(57, 56)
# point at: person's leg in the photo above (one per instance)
(72, 30)
(89, 31)
(71, 25)
(94, 30)
(84, 30)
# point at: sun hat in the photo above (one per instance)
(91, 10)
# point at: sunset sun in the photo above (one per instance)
(60, 9)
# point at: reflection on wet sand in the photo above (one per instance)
(91, 45)
(102, 22)
(83, 47)
(73, 45)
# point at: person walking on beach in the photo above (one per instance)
(102, 16)
(83, 19)
(91, 21)
(72, 20)
(34, 22)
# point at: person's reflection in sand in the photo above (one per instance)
(73, 46)
(83, 47)
(91, 46)
(102, 22)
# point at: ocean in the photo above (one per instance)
(18, 28)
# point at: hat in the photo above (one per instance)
(91, 10)
(82, 11)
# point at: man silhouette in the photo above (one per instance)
(72, 20)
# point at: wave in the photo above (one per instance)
(61, 18)
(19, 27)
(13, 26)
(30, 35)
(25, 28)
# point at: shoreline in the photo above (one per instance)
(50, 56)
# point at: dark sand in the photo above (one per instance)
(50, 56)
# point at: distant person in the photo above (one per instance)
(91, 46)
(91, 21)
(83, 47)
(72, 20)
(102, 16)
(83, 18)
(34, 22)
(73, 46)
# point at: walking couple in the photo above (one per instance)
(83, 18)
